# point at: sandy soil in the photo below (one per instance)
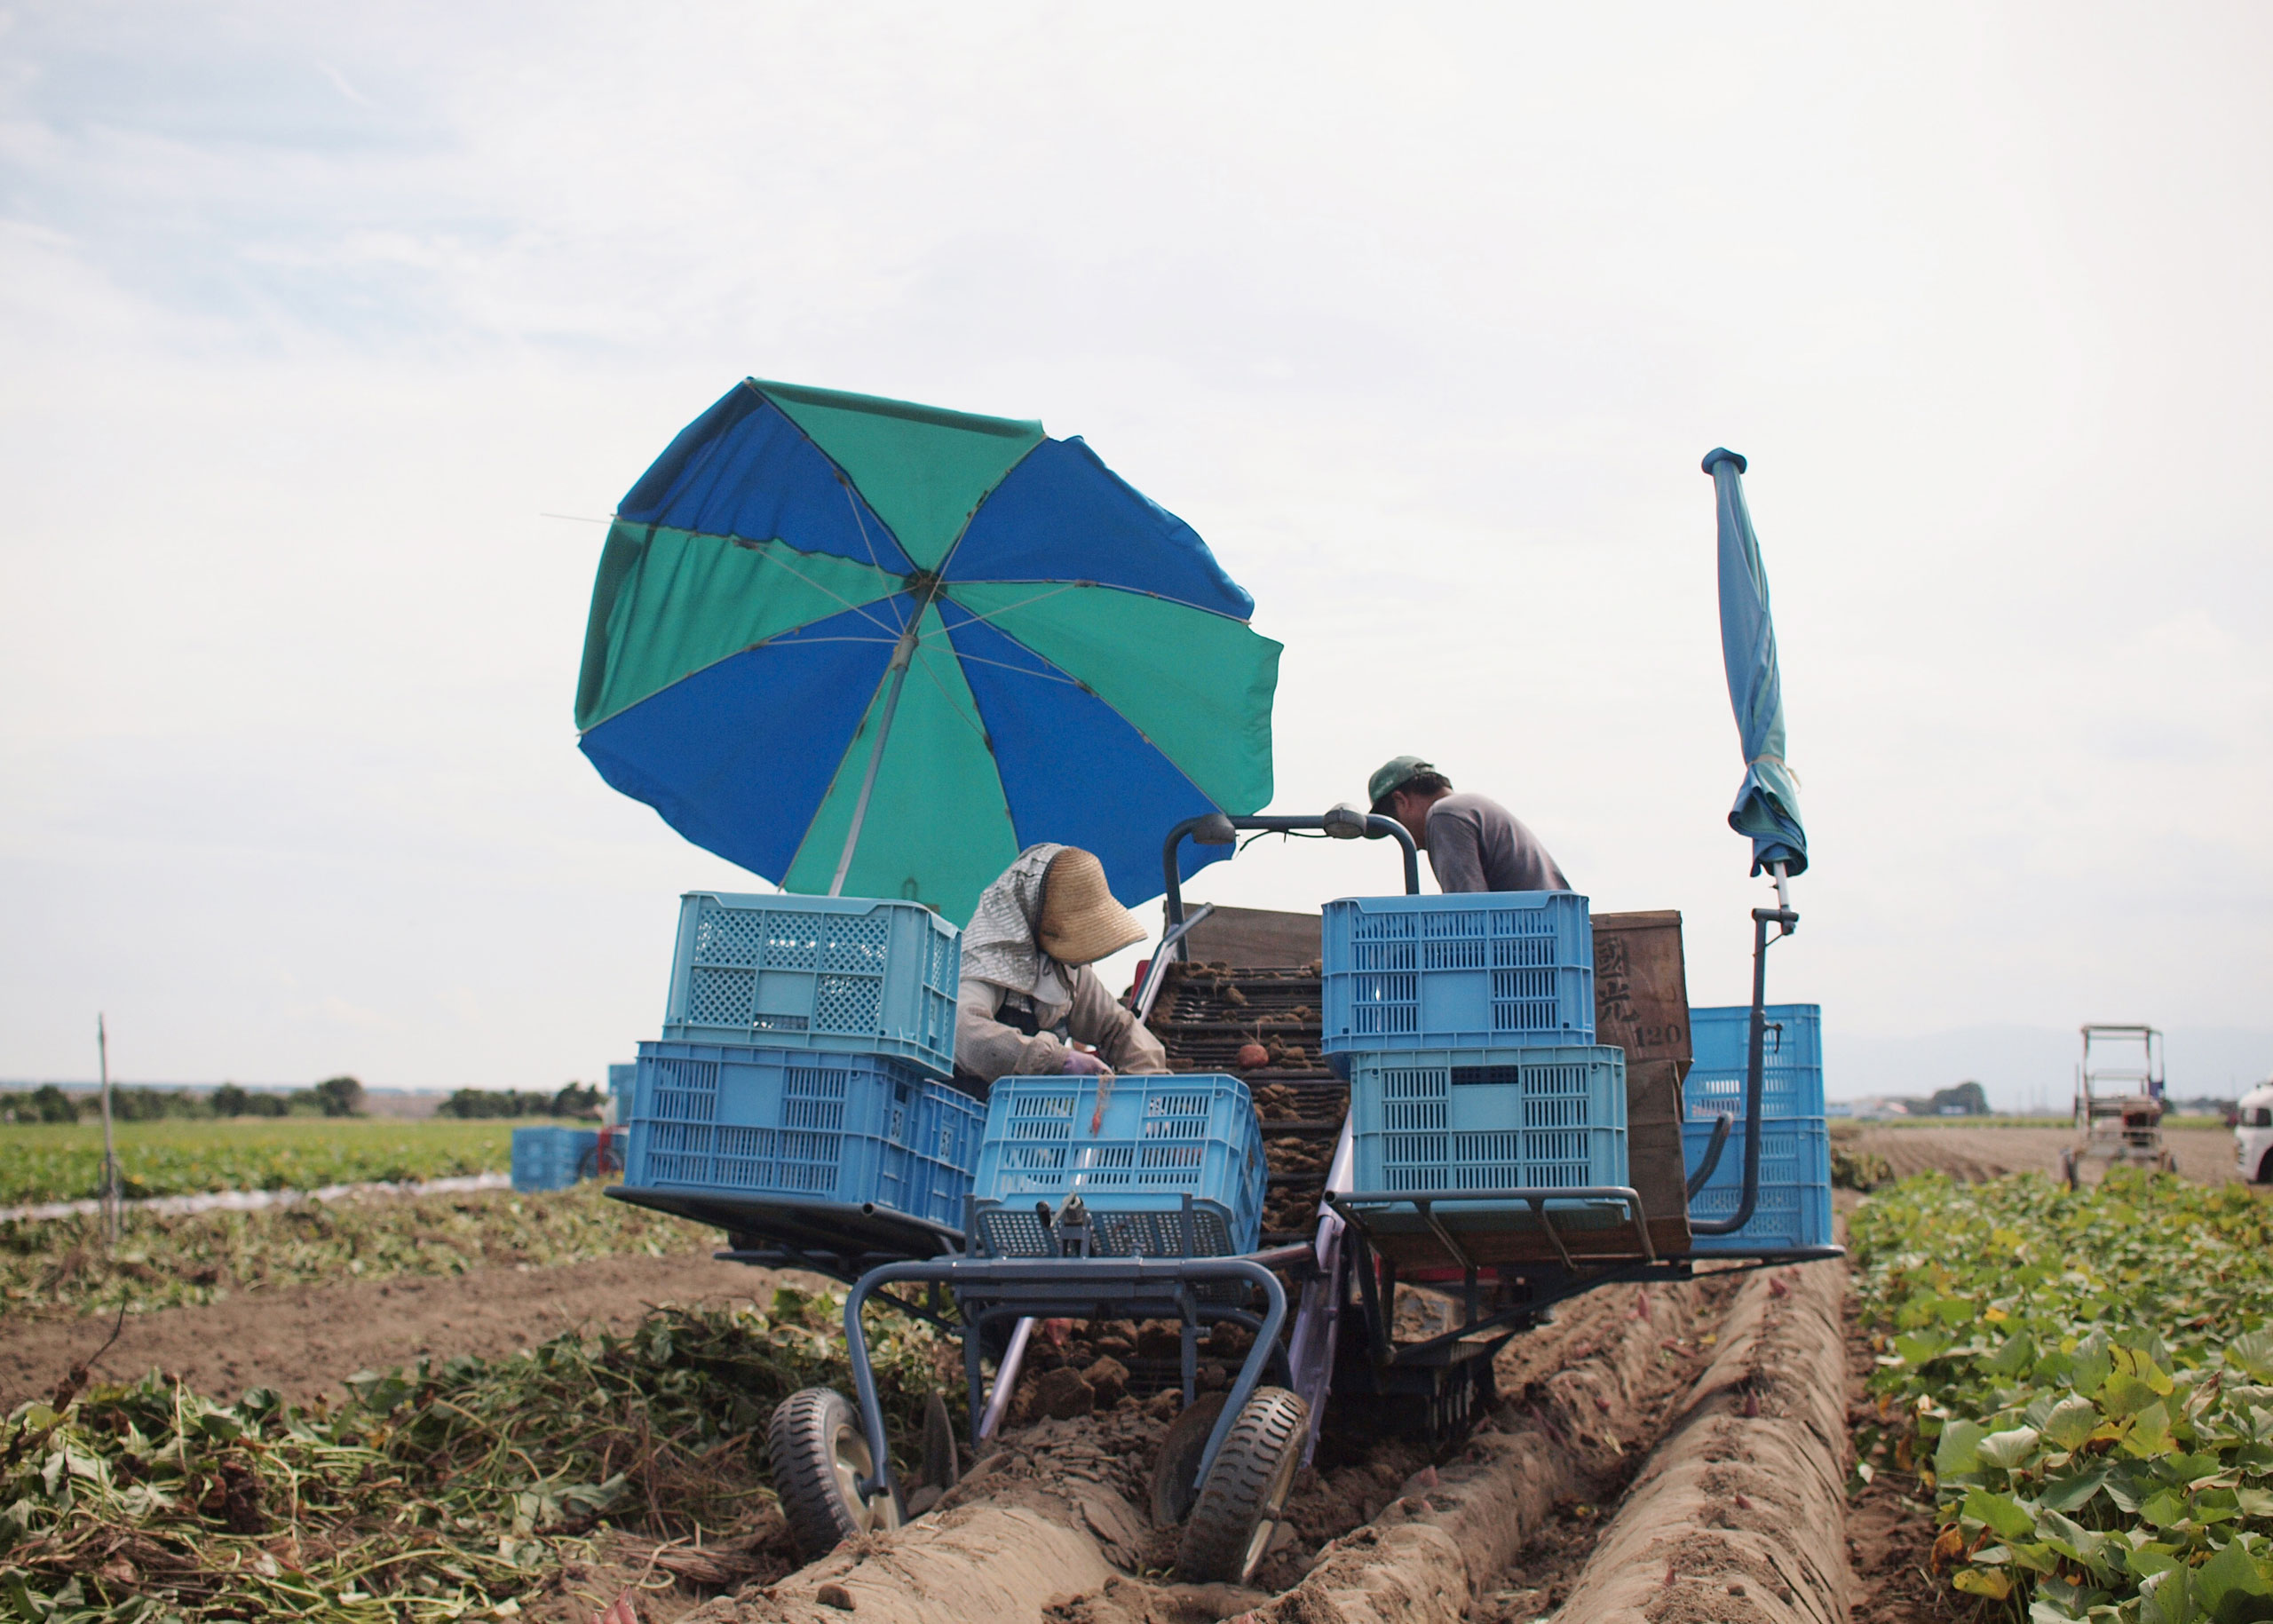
(305, 1340)
(2204, 1154)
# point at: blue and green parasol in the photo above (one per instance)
(862, 647)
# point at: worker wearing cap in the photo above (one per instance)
(1473, 842)
(1028, 995)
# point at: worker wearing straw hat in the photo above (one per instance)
(1028, 997)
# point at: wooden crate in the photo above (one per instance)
(1642, 1005)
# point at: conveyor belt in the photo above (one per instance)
(1206, 1014)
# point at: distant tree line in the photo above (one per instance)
(576, 1099)
(333, 1096)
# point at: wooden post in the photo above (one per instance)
(110, 1149)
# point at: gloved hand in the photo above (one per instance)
(1080, 1063)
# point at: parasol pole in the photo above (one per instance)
(1783, 899)
(900, 656)
(110, 1151)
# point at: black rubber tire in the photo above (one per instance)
(816, 1449)
(1237, 1515)
(2265, 1169)
(1177, 1462)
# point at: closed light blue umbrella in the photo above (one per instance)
(1768, 804)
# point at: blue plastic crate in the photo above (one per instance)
(1132, 1160)
(724, 1119)
(1793, 1207)
(1478, 969)
(550, 1158)
(842, 975)
(1791, 1069)
(1492, 1118)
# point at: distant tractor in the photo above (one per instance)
(2118, 1102)
(2253, 1134)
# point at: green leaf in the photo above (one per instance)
(2006, 1516)
(2017, 1354)
(2072, 1539)
(2125, 1394)
(2164, 1511)
(2149, 1434)
(1959, 1450)
(2090, 1364)
(2252, 1353)
(2067, 1493)
(2168, 1597)
(2007, 1450)
(1921, 1347)
(2070, 1422)
(2231, 1588)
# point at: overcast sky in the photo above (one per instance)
(1424, 317)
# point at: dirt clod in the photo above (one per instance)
(1108, 1382)
(838, 1596)
(1062, 1395)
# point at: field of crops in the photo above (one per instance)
(2084, 1384)
(59, 1266)
(457, 1490)
(48, 1162)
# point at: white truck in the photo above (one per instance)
(2253, 1134)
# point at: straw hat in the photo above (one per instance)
(1081, 922)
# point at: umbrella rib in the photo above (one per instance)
(967, 721)
(1021, 670)
(882, 625)
(862, 525)
(1022, 603)
(789, 639)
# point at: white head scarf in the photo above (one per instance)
(999, 945)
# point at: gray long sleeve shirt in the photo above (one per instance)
(987, 1048)
(1475, 843)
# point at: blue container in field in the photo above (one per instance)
(841, 975)
(1132, 1148)
(1492, 1118)
(1793, 1206)
(551, 1158)
(1477, 970)
(832, 1129)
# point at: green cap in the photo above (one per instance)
(1392, 775)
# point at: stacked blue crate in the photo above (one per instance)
(1140, 1151)
(1794, 1204)
(803, 1059)
(1465, 1024)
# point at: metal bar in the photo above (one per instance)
(1785, 920)
(1377, 1339)
(1711, 1161)
(1351, 1205)
(1376, 827)
(1156, 972)
(1006, 1378)
(1122, 1276)
(1539, 1211)
(899, 659)
(1445, 1237)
